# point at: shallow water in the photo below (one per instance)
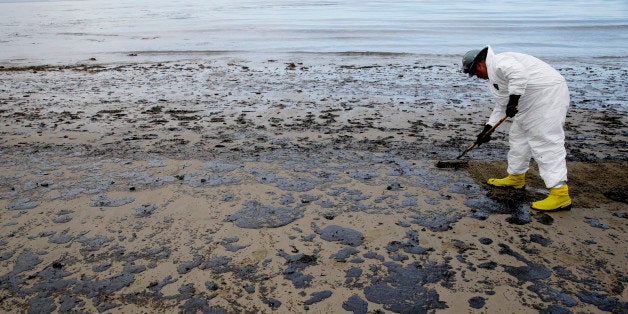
(65, 31)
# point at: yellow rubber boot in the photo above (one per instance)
(516, 181)
(558, 199)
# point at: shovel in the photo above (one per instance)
(456, 163)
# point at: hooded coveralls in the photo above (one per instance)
(537, 129)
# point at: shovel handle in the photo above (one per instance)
(466, 150)
(485, 134)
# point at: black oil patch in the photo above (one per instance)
(40, 304)
(297, 263)
(403, 290)
(197, 303)
(488, 265)
(185, 267)
(555, 309)
(344, 254)
(373, 255)
(433, 180)
(520, 216)
(603, 301)
(95, 243)
(412, 245)
(62, 219)
(340, 234)
(477, 302)
(105, 287)
(486, 205)
(298, 185)
(103, 200)
(216, 166)
(531, 272)
(537, 238)
(596, 223)
(356, 305)
(353, 274)
(273, 303)
(256, 216)
(6, 255)
(549, 294)
(442, 222)
(618, 194)
(68, 302)
(145, 210)
(363, 176)
(228, 244)
(101, 267)
(156, 286)
(218, 264)
(485, 241)
(27, 260)
(22, 204)
(466, 187)
(318, 296)
(544, 218)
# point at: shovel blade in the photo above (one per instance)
(452, 163)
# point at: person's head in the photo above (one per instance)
(474, 63)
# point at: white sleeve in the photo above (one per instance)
(499, 111)
(515, 73)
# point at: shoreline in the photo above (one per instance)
(296, 185)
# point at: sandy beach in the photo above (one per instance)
(298, 183)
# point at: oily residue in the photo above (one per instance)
(255, 216)
(401, 288)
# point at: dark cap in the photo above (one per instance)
(471, 58)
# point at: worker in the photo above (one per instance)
(536, 97)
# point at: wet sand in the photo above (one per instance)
(298, 183)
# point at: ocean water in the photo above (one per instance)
(66, 31)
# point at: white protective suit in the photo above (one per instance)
(537, 129)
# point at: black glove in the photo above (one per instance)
(484, 136)
(511, 108)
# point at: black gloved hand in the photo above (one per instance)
(511, 108)
(484, 136)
